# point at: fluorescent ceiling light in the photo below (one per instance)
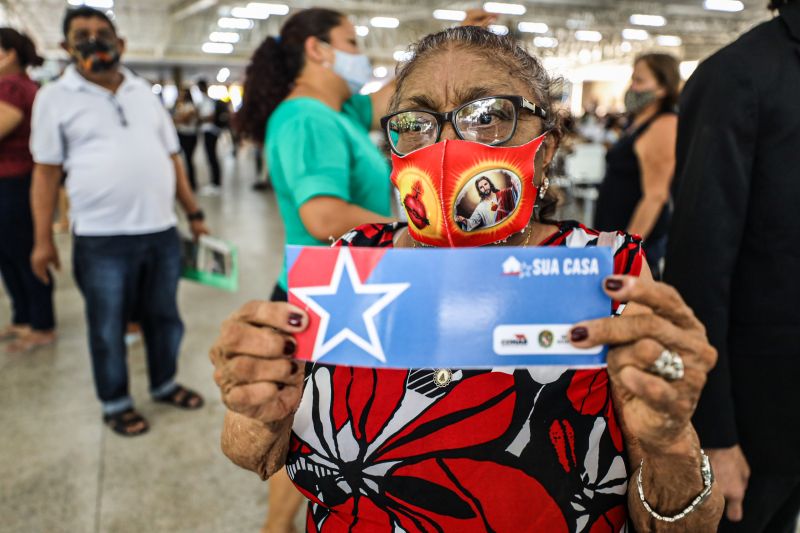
(669, 40)
(449, 14)
(402, 55)
(362, 31)
(223, 74)
(218, 92)
(731, 6)
(648, 20)
(230, 23)
(589, 35)
(635, 35)
(533, 27)
(97, 4)
(217, 48)
(384, 22)
(499, 29)
(371, 87)
(224, 37)
(269, 9)
(503, 8)
(247, 13)
(380, 72)
(545, 42)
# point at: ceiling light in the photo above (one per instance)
(230, 23)
(498, 29)
(362, 31)
(97, 4)
(731, 6)
(218, 92)
(687, 68)
(371, 87)
(270, 9)
(589, 35)
(669, 40)
(223, 74)
(626, 47)
(224, 37)
(247, 13)
(449, 14)
(635, 35)
(380, 72)
(545, 42)
(533, 27)
(503, 8)
(648, 20)
(402, 55)
(217, 48)
(384, 22)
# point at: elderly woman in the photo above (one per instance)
(525, 449)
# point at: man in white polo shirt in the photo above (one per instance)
(103, 126)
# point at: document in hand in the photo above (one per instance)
(447, 308)
(210, 261)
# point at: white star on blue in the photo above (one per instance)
(347, 308)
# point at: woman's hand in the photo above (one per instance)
(653, 410)
(253, 364)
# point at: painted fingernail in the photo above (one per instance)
(614, 284)
(280, 386)
(295, 319)
(579, 334)
(289, 347)
(295, 367)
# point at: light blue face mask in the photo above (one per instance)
(355, 69)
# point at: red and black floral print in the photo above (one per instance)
(507, 449)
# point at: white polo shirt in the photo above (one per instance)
(115, 149)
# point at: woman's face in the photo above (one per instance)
(453, 77)
(343, 37)
(643, 80)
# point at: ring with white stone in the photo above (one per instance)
(669, 366)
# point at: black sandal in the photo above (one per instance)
(122, 423)
(183, 398)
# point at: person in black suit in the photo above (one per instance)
(734, 256)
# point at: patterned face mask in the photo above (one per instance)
(462, 193)
(97, 55)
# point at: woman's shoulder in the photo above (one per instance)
(627, 248)
(371, 235)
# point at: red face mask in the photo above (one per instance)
(463, 193)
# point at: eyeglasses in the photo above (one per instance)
(491, 121)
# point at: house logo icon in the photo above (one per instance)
(512, 267)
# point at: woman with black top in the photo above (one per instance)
(640, 165)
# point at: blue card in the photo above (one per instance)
(447, 308)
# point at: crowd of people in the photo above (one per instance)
(691, 425)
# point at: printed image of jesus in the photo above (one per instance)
(494, 204)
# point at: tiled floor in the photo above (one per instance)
(61, 470)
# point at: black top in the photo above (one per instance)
(622, 187)
(733, 249)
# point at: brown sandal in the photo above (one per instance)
(124, 422)
(183, 398)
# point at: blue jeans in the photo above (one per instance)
(121, 277)
(31, 299)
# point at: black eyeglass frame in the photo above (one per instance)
(450, 116)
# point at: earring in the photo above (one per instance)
(543, 188)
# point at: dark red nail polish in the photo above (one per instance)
(289, 348)
(295, 368)
(614, 284)
(295, 319)
(579, 334)
(280, 386)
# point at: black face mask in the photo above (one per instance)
(97, 55)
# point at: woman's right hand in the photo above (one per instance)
(253, 361)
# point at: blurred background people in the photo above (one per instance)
(209, 112)
(32, 321)
(635, 192)
(733, 255)
(187, 124)
(103, 125)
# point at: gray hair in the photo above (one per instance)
(499, 49)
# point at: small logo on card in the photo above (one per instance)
(512, 267)
(518, 339)
(546, 338)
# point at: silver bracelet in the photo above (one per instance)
(708, 480)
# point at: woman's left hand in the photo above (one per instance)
(655, 411)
